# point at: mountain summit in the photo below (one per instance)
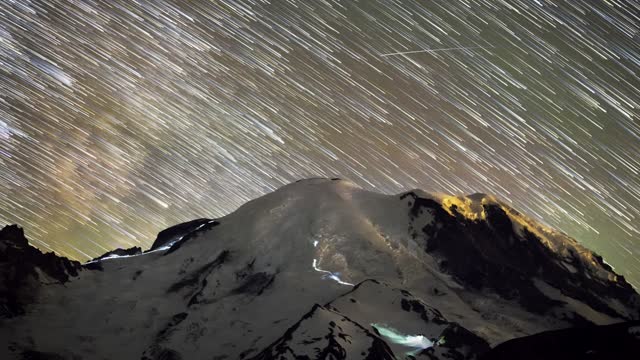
(319, 269)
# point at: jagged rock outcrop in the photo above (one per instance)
(23, 269)
(489, 251)
(174, 233)
(136, 250)
(326, 334)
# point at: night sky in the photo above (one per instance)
(121, 118)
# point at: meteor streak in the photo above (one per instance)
(434, 50)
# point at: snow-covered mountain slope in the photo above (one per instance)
(407, 323)
(327, 334)
(452, 276)
(381, 321)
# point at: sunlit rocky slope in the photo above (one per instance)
(319, 269)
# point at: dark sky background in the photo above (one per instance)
(121, 118)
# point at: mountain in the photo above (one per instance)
(319, 269)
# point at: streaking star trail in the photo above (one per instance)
(119, 119)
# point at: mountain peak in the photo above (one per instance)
(12, 234)
(468, 267)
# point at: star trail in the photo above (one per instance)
(121, 118)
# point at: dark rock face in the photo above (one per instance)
(192, 285)
(460, 343)
(619, 341)
(156, 351)
(255, 284)
(120, 252)
(19, 280)
(426, 313)
(173, 233)
(489, 254)
(93, 266)
(191, 235)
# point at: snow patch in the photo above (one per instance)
(329, 274)
(114, 256)
(415, 342)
